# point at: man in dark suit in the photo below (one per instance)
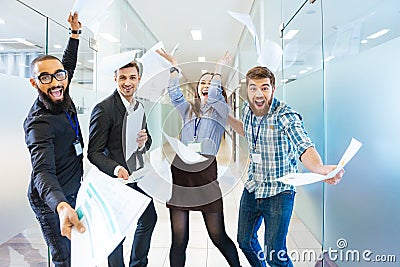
(107, 152)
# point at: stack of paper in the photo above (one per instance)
(107, 209)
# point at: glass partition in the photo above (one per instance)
(302, 86)
(338, 71)
(18, 47)
(21, 243)
(362, 212)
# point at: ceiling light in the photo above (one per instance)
(91, 60)
(203, 71)
(57, 46)
(309, 68)
(23, 41)
(109, 37)
(201, 59)
(293, 76)
(329, 58)
(243, 80)
(1, 48)
(290, 34)
(196, 35)
(303, 71)
(378, 34)
(2, 21)
(364, 41)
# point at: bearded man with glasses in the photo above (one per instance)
(54, 140)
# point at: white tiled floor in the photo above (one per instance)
(201, 252)
(28, 248)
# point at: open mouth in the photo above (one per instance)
(259, 103)
(204, 92)
(56, 92)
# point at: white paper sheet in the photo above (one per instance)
(111, 63)
(155, 75)
(107, 209)
(187, 155)
(247, 20)
(92, 12)
(297, 179)
(133, 127)
(270, 55)
(136, 176)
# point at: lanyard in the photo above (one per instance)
(75, 127)
(255, 138)
(196, 126)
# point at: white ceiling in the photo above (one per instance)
(172, 20)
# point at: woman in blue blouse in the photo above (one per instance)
(195, 186)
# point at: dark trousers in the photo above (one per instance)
(60, 246)
(141, 240)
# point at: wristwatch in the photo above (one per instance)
(172, 69)
(71, 31)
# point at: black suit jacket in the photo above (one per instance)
(105, 148)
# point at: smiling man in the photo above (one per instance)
(107, 139)
(276, 138)
(54, 140)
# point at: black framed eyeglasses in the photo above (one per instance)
(46, 78)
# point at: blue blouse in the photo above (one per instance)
(211, 126)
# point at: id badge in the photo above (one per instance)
(78, 148)
(195, 147)
(256, 157)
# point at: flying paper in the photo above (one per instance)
(246, 20)
(186, 155)
(111, 63)
(92, 12)
(270, 55)
(155, 75)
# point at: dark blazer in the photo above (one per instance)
(107, 124)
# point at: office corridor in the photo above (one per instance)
(29, 249)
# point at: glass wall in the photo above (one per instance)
(302, 86)
(339, 72)
(362, 214)
(37, 30)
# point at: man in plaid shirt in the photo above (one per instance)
(276, 137)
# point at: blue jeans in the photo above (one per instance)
(141, 240)
(276, 212)
(60, 246)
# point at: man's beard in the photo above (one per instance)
(58, 106)
(258, 112)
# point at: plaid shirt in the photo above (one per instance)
(280, 140)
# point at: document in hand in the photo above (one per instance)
(107, 209)
(133, 127)
(297, 179)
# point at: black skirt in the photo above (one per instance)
(195, 186)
